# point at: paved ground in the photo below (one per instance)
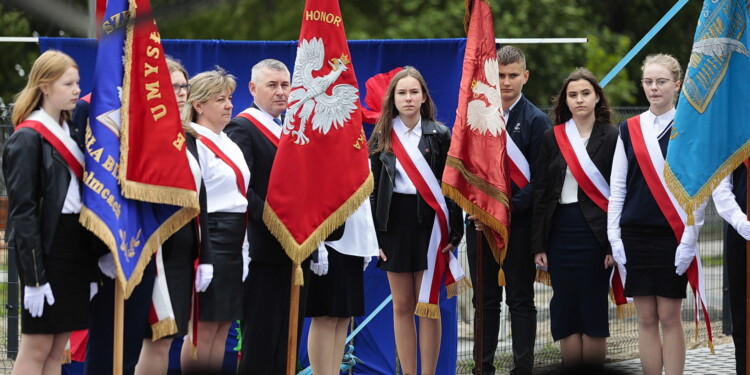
(698, 361)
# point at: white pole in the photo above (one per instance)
(539, 40)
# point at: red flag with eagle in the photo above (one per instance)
(320, 174)
(475, 174)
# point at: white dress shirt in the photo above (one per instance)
(402, 184)
(72, 204)
(569, 193)
(222, 192)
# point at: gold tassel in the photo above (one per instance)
(458, 287)
(193, 351)
(543, 277)
(298, 275)
(696, 330)
(163, 328)
(427, 310)
(500, 277)
(625, 311)
(66, 357)
(711, 347)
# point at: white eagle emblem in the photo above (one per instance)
(309, 93)
(485, 116)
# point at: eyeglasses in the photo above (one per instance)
(185, 87)
(659, 82)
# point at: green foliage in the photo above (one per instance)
(16, 57)
(612, 27)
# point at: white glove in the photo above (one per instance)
(203, 276)
(33, 299)
(93, 289)
(743, 228)
(107, 265)
(367, 263)
(683, 257)
(320, 267)
(618, 251)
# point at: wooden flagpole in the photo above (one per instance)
(291, 349)
(118, 327)
(479, 303)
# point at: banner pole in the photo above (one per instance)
(479, 298)
(291, 349)
(118, 327)
(747, 267)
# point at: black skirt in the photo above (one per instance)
(650, 253)
(177, 254)
(222, 301)
(341, 292)
(70, 286)
(405, 242)
(580, 283)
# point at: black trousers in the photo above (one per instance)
(736, 261)
(519, 272)
(101, 325)
(265, 323)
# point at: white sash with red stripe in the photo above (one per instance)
(420, 173)
(54, 134)
(520, 173)
(584, 170)
(651, 162)
(267, 127)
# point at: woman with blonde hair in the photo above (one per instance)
(646, 228)
(403, 219)
(225, 174)
(43, 167)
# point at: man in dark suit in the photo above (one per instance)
(525, 124)
(267, 287)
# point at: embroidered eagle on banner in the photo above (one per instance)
(309, 101)
(483, 112)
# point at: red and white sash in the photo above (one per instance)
(241, 184)
(441, 268)
(651, 162)
(161, 315)
(268, 128)
(54, 134)
(584, 170)
(520, 173)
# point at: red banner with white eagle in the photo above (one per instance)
(320, 174)
(475, 174)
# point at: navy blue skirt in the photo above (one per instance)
(580, 283)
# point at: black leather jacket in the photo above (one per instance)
(434, 144)
(37, 179)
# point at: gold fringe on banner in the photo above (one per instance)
(623, 311)
(458, 287)
(67, 357)
(299, 252)
(690, 203)
(163, 328)
(427, 310)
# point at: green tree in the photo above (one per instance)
(17, 58)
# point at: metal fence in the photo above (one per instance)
(623, 342)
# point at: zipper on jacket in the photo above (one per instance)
(36, 273)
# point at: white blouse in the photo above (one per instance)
(222, 192)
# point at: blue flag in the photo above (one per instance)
(711, 134)
(133, 227)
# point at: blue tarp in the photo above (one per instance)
(439, 61)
